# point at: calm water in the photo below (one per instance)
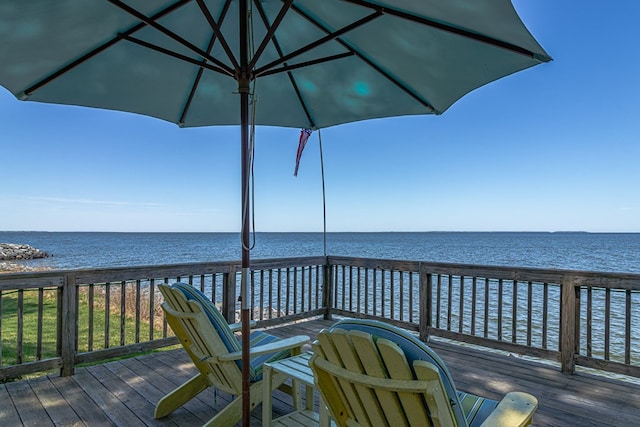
(580, 251)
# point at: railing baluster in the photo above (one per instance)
(359, 290)
(152, 301)
(279, 292)
(287, 290)
(461, 305)
(302, 289)
(589, 321)
(514, 312)
(449, 301)
(500, 289)
(438, 300)
(310, 288)
(382, 292)
(261, 305)
(138, 310)
(20, 321)
(401, 309)
(295, 290)
(39, 324)
(545, 314)
(107, 312)
(375, 291)
(474, 300)
(411, 290)
(252, 294)
(366, 290)
(319, 276)
(123, 302)
(627, 328)
(342, 288)
(607, 324)
(392, 293)
(270, 308)
(486, 308)
(529, 311)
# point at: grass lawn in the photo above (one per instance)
(41, 308)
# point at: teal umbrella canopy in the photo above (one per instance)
(302, 63)
(314, 63)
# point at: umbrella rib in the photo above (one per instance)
(216, 29)
(288, 68)
(171, 34)
(270, 33)
(370, 63)
(101, 48)
(201, 63)
(196, 81)
(329, 37)
(294, 84)
(452, 29)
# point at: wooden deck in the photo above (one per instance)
(124, 393)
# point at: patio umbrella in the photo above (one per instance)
(307, 63)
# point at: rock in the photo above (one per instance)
(12, 251)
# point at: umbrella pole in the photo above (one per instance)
(246, 262)
(243, 89)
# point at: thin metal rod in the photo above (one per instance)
(324, 199)
(196, 81)
(152, 23)
(305, 64)
(370, 63)
(329, 37)
(199, 62)
(271, 31)
(101, 48)
(450, 29)
(215, 26)
(292, 80)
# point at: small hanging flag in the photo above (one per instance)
(304, 136)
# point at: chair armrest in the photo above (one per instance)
(284, 344)
(236, 327)
(514, 410)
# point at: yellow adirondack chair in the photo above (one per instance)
(216, 351)
(373, 374)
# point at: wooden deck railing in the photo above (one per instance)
(59, 319)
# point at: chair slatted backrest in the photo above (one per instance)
(370, 382)
(200, 339)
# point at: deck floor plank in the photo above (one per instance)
(162, 387)
(80, 402)
(8, 413)
(60, 413)
(124, 393)
(104, 400)
(565, 395)
(31, 411)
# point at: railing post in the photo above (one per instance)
(229, 295)
(425, 303)
(68, 326)
(568, 327)
(327, 289)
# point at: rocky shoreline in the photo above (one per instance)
(13, 251)
(17, 252)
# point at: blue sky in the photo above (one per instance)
(555, 147)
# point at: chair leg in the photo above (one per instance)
(180, 396)
(231, 414)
